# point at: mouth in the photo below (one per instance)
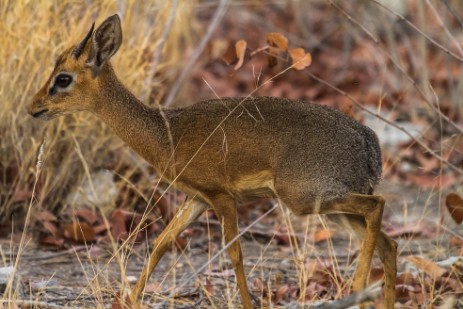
(40, 114)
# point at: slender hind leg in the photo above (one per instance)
(186, 214)
(386, 248)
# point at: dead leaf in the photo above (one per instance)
(229, 57)
(240, 48)
(120, 303)
(22, 195)
(301, 59)
(456, 241)
(79, 231)
(209, 286)
(50, 227)
(322, 235)
(454, 205)
(52, 241)
(44, 215)
(280, 293)
(89, 216)
(429, 267)
(118, 227)
(276, 39)
(152, 287)
(376, 274)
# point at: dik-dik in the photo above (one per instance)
(313, 159)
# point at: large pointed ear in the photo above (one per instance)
(105, 42)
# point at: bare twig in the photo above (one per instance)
(397, 65)
(402, 18)
(447, 31)
(219, 13)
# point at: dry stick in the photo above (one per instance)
(452, 11)
(357, 103)
(402, 18)
(447, 31)
(219, 13)
(394, 62)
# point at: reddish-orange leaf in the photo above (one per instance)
(52, 241)
(79, 231)
(229, 57)
(50, 227)
(90, 216)
(281, 292)
(322, 235)
(209, 286)
(428, 266)
(120, 303)
(376, 274)
(44, 215)
(118, 227)
(240, 48)
(301, 59)
(22, 195)
(454, 205)
(276, 39)
(456, 241)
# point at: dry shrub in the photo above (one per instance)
(33, 34)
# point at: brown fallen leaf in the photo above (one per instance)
(89, 216)
(229, 56)
(79, 231)
(276, 39)
(280, 293)
(322, 235)
(44, 215)
(52, 241)
(301, 59)
(454, 205)
(240, 48)
(22, 195)
(429, 267)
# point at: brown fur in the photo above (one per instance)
(313, 158)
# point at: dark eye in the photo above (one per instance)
(63, 80)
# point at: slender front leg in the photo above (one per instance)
(186, 214)
(225, 208)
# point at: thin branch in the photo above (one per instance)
(397, 65)
(402, 18)
(447, 31)
(219, 13)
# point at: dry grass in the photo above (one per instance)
(33, 34)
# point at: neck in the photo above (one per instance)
(143, 128)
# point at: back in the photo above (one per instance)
(299, 140)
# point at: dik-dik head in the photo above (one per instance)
(79, 73)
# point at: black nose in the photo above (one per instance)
(39, 113)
